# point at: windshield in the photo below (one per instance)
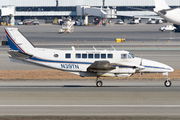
(131, 55)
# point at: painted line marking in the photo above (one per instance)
(127, 106)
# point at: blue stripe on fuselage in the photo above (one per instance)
(72, 62)
(157, 67)
(88, 63)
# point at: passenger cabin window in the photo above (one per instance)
(90, 56)
(110, 55)
(123, 56)
(84, 56)
(56, 55)
(97, 56)
(103, 56)
(68, 55)
(78, 55)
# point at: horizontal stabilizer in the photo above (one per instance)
(17, 54)
(100, 65)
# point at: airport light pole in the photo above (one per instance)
(103, 3)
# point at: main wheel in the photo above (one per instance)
(99, 83)
(167, 83)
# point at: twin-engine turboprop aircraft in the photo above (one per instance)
(84, 63)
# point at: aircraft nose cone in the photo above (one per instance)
(171, 69)
(153, 66)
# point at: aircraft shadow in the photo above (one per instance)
(84, 86)
(113, 86)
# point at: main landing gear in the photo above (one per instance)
(99, 83)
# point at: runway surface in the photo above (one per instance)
(76, 98)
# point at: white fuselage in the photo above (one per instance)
(172, 16)
(77, 62)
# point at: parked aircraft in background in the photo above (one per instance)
(170, 14)
(164, 11)
(84, 63)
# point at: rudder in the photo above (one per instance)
(17, 41)
(161, 5)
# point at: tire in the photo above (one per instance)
(99, 83)
(167, 83)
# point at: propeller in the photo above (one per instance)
(140, 69)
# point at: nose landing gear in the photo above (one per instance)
(167, 83)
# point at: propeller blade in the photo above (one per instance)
(140, 69)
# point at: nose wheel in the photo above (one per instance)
(99, 83)
(167, 83)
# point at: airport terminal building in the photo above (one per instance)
(40, 9)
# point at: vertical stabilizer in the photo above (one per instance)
(161, 5)
(18, 42)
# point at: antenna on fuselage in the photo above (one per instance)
(94, 48)
(73, 48)
(113, 48)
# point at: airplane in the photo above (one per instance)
(85, 63)
(170, 14)
(164, 11)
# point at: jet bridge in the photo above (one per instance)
(93, 11)
(8, 11)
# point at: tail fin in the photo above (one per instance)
(17, 41)
(161, 5)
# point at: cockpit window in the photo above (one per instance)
(123, 56)
(127, 56)
(130, 54)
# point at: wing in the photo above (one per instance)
(100, 65)
(19, 55)
(143, 16)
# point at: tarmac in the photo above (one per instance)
(82, 98)
(117, 99)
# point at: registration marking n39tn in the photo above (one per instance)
(69, 66)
